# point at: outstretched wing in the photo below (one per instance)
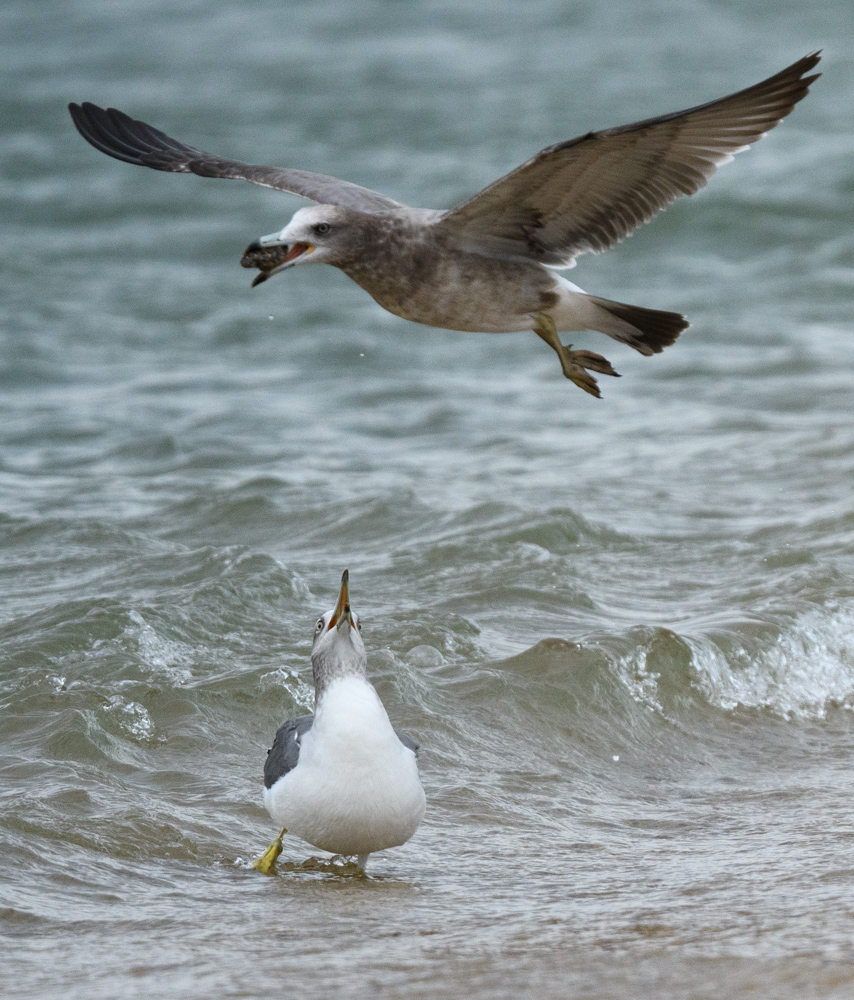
(118, 135)
(587, 194)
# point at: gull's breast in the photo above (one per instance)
(356, 788)
(424, 281)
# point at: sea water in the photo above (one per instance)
(621, 630)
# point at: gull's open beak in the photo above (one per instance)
(341, 613)
(270, 255)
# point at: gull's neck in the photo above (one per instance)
(330, 664)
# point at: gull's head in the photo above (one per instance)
(316, 234)
(338, 649)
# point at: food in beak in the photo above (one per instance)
(268, 259)
(264, 258)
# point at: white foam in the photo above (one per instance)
(641, 682)
(301, 692)
(809, 669)
(164, 655)
(134, 718)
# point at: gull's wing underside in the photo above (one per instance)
(587, 194)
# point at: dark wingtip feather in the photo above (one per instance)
(93, 124)
(118, 135)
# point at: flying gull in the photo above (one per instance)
(342, 779)
(490, 264)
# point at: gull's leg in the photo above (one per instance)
(266, 864)
(573, 363)
(362, 860)
(546, 329)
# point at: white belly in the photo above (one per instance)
(356, 788)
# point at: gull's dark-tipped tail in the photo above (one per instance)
(646, 330)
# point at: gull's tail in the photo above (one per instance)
(646, 330)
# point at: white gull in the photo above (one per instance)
(342, 779)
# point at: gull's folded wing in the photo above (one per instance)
(587, 194)
(283, 756)
(120, 136)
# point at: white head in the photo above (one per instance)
(315, 235)
(338, 649)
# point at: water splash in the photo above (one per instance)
(805, 673)
(133, 717)
(301, 692)
(166, 656)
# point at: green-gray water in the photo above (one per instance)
(637, 730)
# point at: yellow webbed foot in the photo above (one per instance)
(572, 362)
(594, 362)
(266, 864)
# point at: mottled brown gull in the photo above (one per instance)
(490, 264)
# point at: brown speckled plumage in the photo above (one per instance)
(414, 271)
(485, 265)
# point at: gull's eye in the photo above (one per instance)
(322, 228)
(319, 625)
(359, 626)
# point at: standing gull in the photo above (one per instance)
(489, 264)
(342, 779)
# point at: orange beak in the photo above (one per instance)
(342, 608)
